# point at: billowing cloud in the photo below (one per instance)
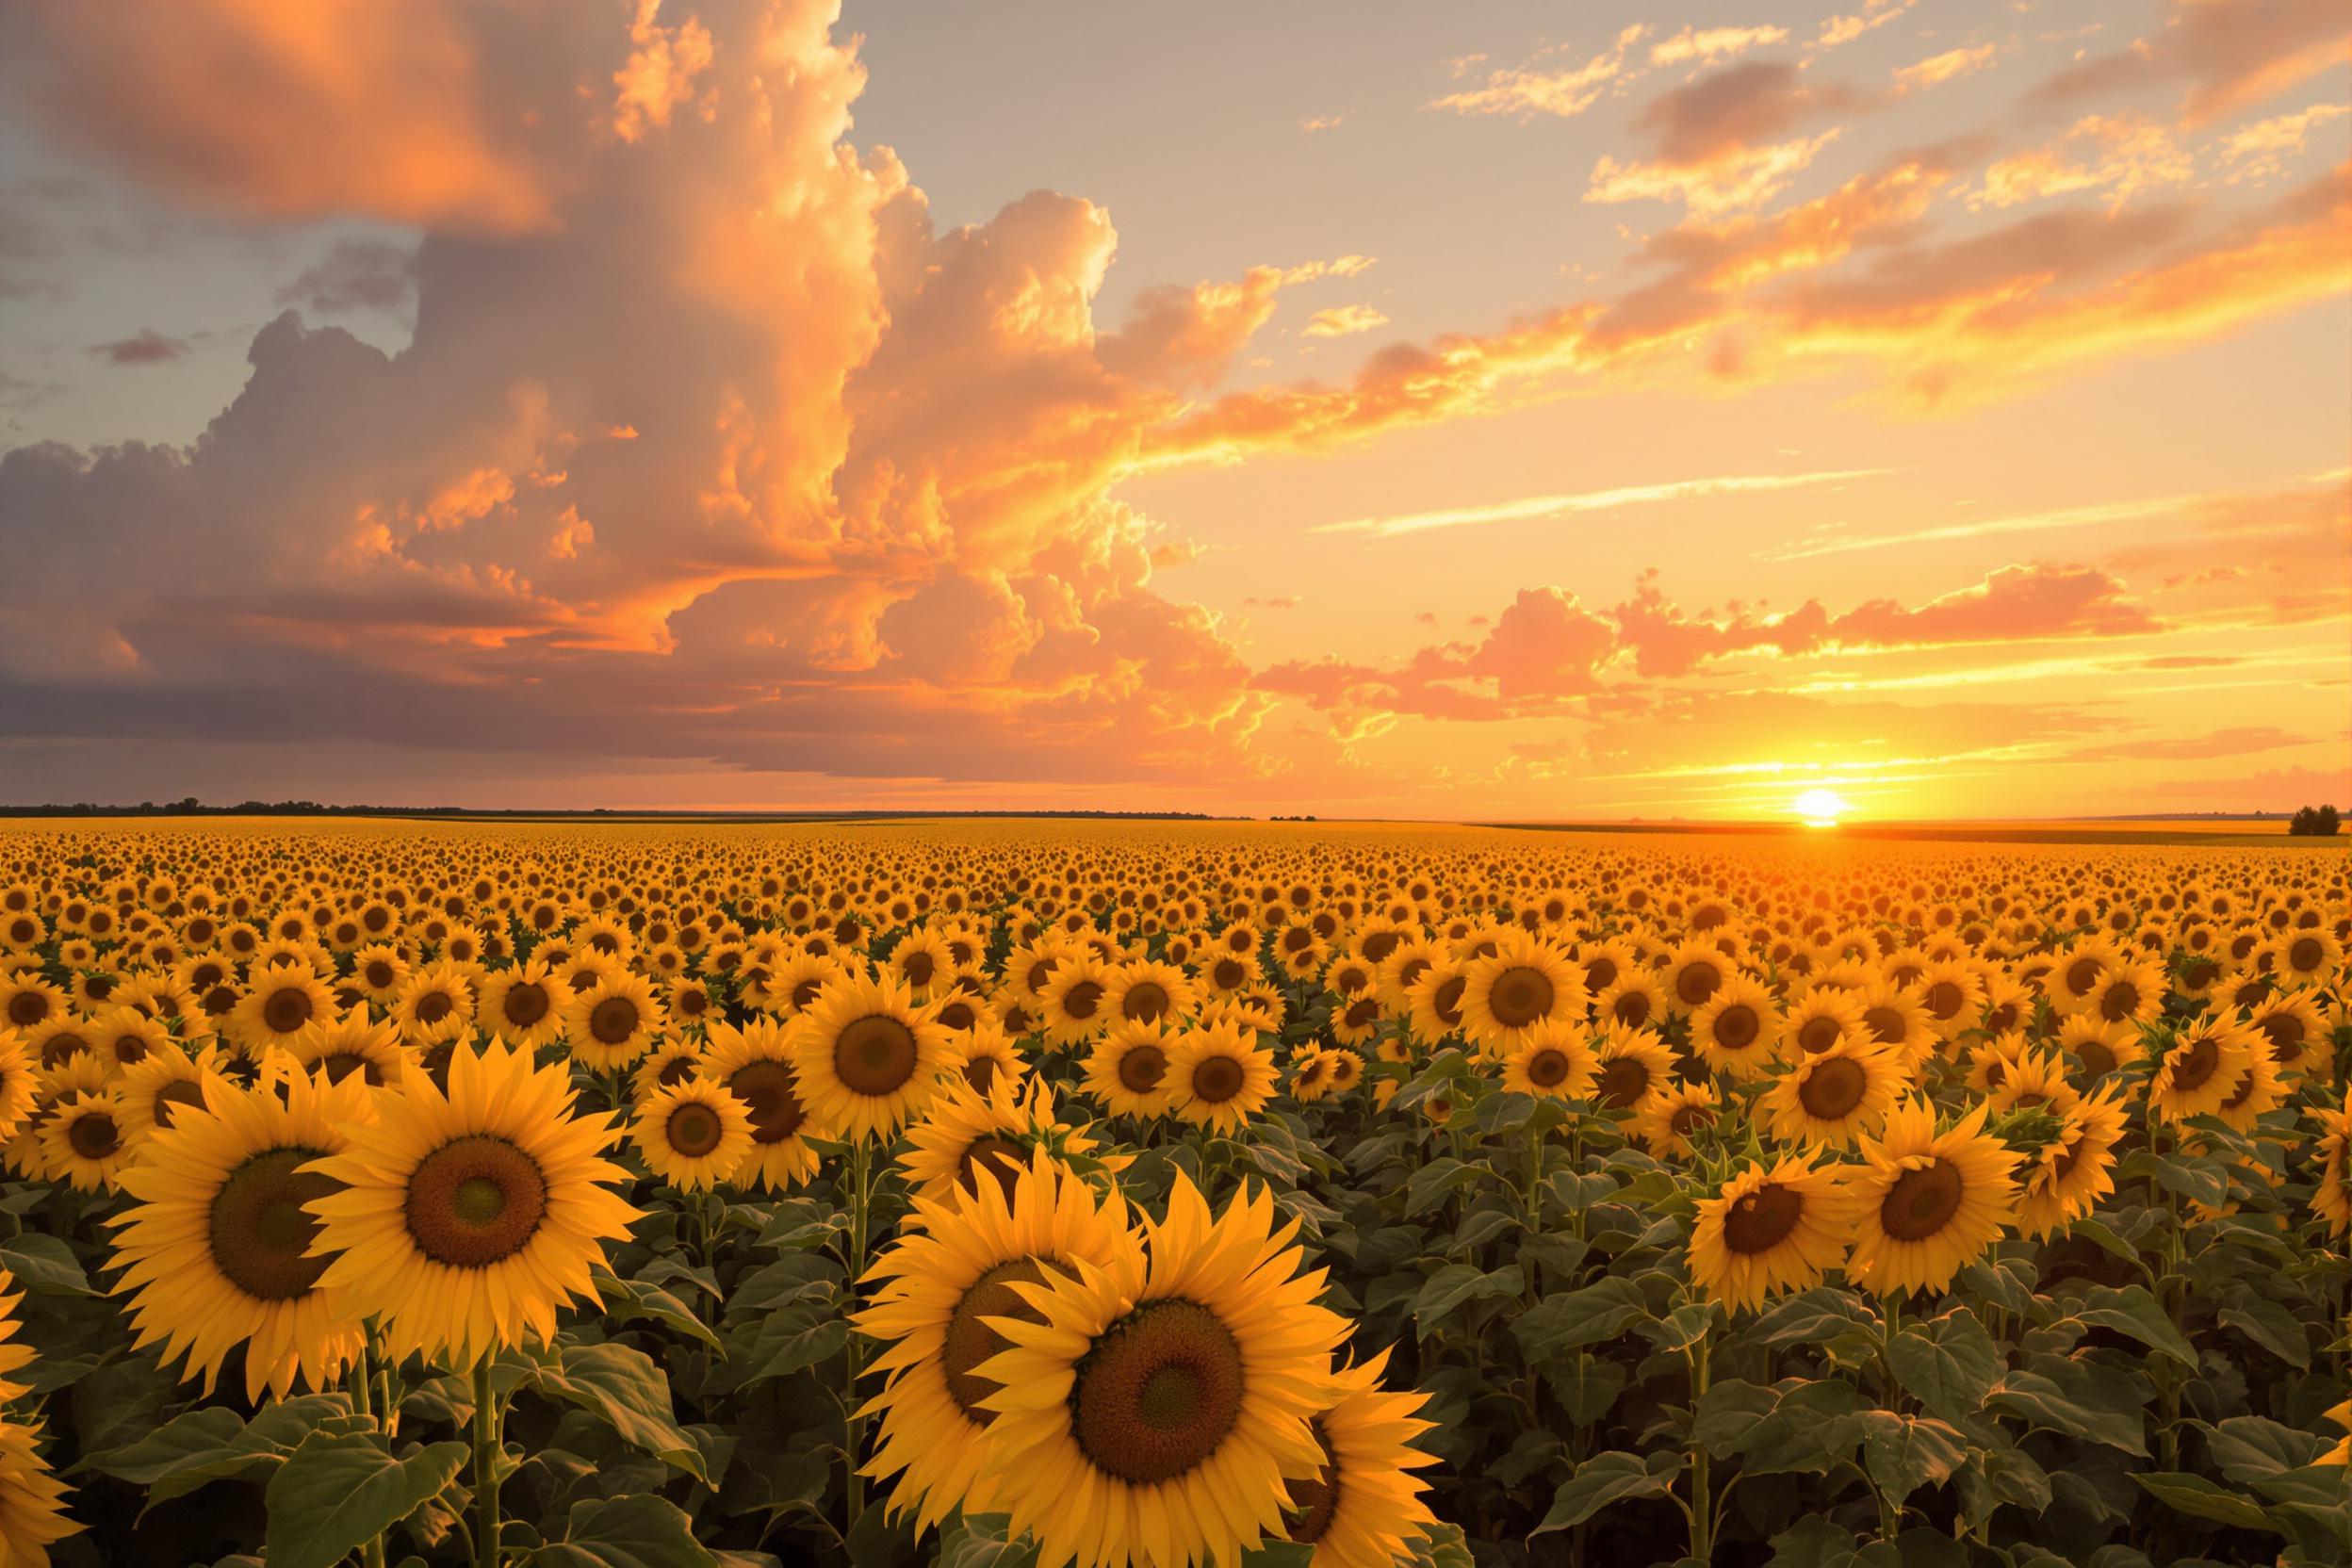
(356, 275)
(2224, 54)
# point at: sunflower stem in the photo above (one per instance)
(362, 1377)
(1701, 1512)
(486, 1457)
(852, 1351)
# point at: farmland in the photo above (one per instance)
(1116, 1192)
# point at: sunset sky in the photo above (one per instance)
(1526, 411)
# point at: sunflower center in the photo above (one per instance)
(1145, 999)
(130, 1048)
(1519, 996)
(526, 1003)
(2196, 1063)
(2081, 976)
(60, 1046)
(1314, 1504)
(260, 1228)
(1623, 1080)
(980, 1072)
(2121, 999)
(919, 967)
(1216, 1079)
(1082, 998)
(339, 1065)
(1689, 1118)
(1762, 1219)
(2305, 954)
(1736, 1027)
(1547, 1068)
(1631, 1009)
(475, 1200)
(1886, 1025)
(1921, 1202)
(1229, 973)
(26, 1009)
(1141, 1067)
(288, 1009)
(1833, 1090)
(433, 1007)
(694, 1130)
(2285, 1033)
(93, 1136)
(612, 1021)
(1158, 1393)
(1943, 999)
(998, 1157)
(169, 1099)
(766, 1090)
(1697, 982)
(875, 1055)
(969, 1341)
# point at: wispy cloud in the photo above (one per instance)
(2025, 522)
(1588, 500)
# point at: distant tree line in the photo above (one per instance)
(2313, 823)
(190, 807)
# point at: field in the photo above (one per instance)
(997, 1193)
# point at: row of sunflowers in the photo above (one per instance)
(1171, 1194)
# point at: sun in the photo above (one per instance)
(1819, 807)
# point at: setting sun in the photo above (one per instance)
(1821, 807)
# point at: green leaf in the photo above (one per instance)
(2201, 1497)
(633, 1300)
(1459, 1282)
(789, 1342)
(44, 1266)
(1808, 1317)
(2132, 1311)
(339, 1489)
(1598, 1312)
(980, 1541)
(1603, 1479)
(641, 1530)
(1904, 1453)
(2246, 1446)
(2080, 1399)
(2270, 1325)
(1947, 1363)
(629, 1392)
(213, 1443)
(1432, 1183)
(1728, 1415)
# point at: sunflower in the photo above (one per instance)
(2258, 1089)
(1346, 1069)
(1735, 1030)
(2331, 1195)
(19, 1087)
(693, 1133)
(1072, 1003)
(28, 1000)
(279, 1003)
(1218, 1077)
(965, 1135)
(1672, 1113)
(867, 1058)
(352, 1044)
(2131, 994)
(1819, 1018)
(2097, 1046)
(1768, 1230)
(950, 1271)
(2200, 1068)
(754, 1063)
(1930, 1202)
(2064, 1180)
(435, 1005)
(83, 1143)
(1155, 1413)
(992, 1056)
(1632, 1063)
(1952, 995)
(1433, 1004)
(1364, 1508)
(216, 1247)
(613, 1023)
(1310, 1076)
(523, 1006)
(1832, 1096)
(62, 1039)
(2291, 1023)
(1525, 982)
(1692, 973)
(32, 1501)
(1634, 1000)
(1894, 1018)
(922, 961)
(2030, 1081)
(465, 1221)
(1127, 1070)
(669, 1062)
(157, 1090)
(1555, 1061)
(1145, 991)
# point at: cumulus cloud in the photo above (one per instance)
(355, 275)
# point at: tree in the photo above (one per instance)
(2314, 822)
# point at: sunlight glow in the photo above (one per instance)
(1819, 807)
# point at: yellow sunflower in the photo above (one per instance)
(755, 1064)
(351, 1044)
(19, 1087)
(1525, 982)
(1146, 991)
(1127, 1070)
(615, 1021)
(2201, 1065)
(1555, 1061)
(82, 1142)
(1073, 1002)
(2064, 1180)
(1735, 1030)
(155, 1091)
(934, 1290)
(693, 1133)
(1768, 1230)
(279, 1003)
(1218, 1077)
(1833, 1097)
(465, 1221)
(2099, 1046)
(867, 1058)
(1156, 1413)
(523, 1006)
(1674, 1112)
(1632, 1062)
(435, 1005)
(1819, 1018)
(216, 1250)
(992, 1056)
(1310, 1076)
(1364, 1508)
(965, 1136)
(32, 1501)
(1931, 1203)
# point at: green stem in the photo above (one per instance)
(486, 1457)
(1701, 1509)
(363, 1403)
(854, 1353)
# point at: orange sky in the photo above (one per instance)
(1526, 413)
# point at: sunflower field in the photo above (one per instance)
(999, 1194)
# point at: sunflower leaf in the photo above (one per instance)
(629, 1392)
(339, 1489)
(641, 1530)
(1947, 1363)
(1603, 1479)
(2201, 1497)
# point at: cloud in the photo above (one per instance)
(1343, 321)
(2122, 159)
(2261, 151)
(2241, 741)
(1838, 31)
(355, 276)
(2227, 55)
(1723, 139)
(1745, 178)
(144, 347)
(1949, 66)
(2013, 604)
(1591, 500)
(1320, 122)
(1525, 91)
(1713, 44)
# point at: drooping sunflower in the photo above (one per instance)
(1155, 1414)
(32, 1501)
(867, 1058)
(1218, 1076)
(1364, 1508)
(1832, 1096)
(1931, 1203)
(2200, 1068)
(1673, 1114)
(1736, 1030)
(217, 1250)
(934, 1290)
(1525, 982)
(615, 1021)
(82, 1143)
(1127, 1070)
(2063, 1181)
(466, 1221)
(1555, 1061)
(1771, 1229)
(755, 1064)
(693, 1133)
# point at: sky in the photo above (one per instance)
(1497, 412)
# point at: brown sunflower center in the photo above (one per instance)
(169, 1099)
(526, 1003)
(1145, 999)
(767, 1092)
(1547, 1068)
(2305, 956)
(1623, 1081)
(1159, 1392)
(260, 1227)
(60, 1046)
(1141, 1067)
(1833, 1088)
(1228, 974)
(26, 1009)
(970, 1341)
(2285, 1033)
(980, 1072)
(2081, 976)
(1082, 998)
(1216, 1079)
(2196, 1065)
(919, 967)
(1886, 1025)
(1944, 999)
(475, 1200)
(1519, 996)
(433, 1007)
(612, 1021)
(1921, 1202)
(1631, 1009)
(93, 1136)
(1762, 1219)
(998, 1157)
(2121, 1000)
(1314, 1504)
(1447, 1002)
(1697, 982)
(695, 1128)
(875, 1055)
(1736, 1027)
(288, 1009)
